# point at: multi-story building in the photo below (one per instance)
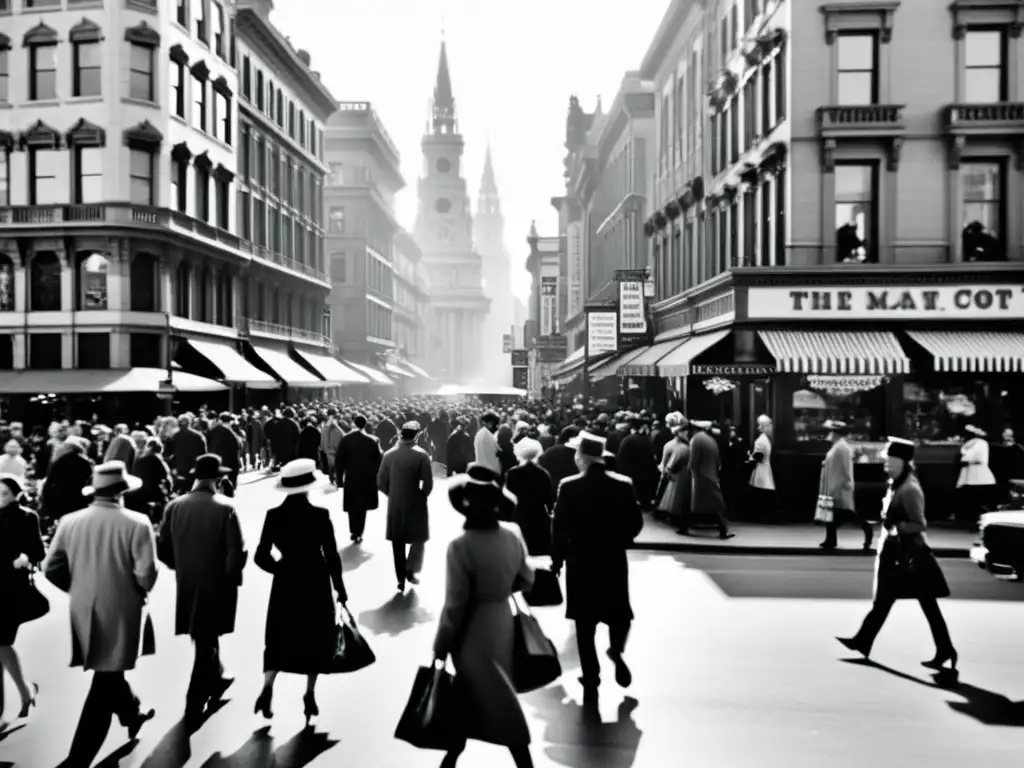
(412, 305)
(489, 240)
(832, 231)
(543, 321)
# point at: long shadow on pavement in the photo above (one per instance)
(399, 614)
(258, 752)
(987, 707)
(353, 556)
(175, 748)
(578, 739)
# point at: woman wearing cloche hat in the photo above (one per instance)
(486, 565)
(905, 566)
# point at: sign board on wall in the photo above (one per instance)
(602, 332)
(521, 377)
(520, 357)
(551, 349)
(548, 306)
(951, 302)
(574, 266)
(632, 319)
(506, 343)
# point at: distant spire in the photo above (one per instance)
(443, 105)
(488, 186)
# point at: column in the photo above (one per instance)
(67, 266)
(19, 351)
(213, 295)
(168, 268)
(20, 279)
(194, 277)
(239, 307)
(117, 279)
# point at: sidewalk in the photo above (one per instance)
(789, 539)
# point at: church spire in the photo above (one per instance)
(443, 105)
(488, 186)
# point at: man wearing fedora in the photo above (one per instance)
(597, 517)
(201, 541)
(405, 477)
(104, 557)
(355, 463)
(837, 483)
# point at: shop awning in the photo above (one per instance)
(646, 364)
(397, 370)
(973, 351)
(330, 369)
(836, 352)
(234, 368)
(375, 376)
(612, 366)
(286, 369)
(677, 362)
(570, 364)
(86, 382)
(417, 370)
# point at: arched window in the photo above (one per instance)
(143, 285)
(182, 289)
(91, 281)
(44, 279)
(6, 284)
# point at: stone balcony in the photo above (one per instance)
(860, 122)
(985, 119)
(265, 329)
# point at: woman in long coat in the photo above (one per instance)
(486, 565)
(675, 461)
(21, 547)
(905, 567)
(301, 631)
(69, 473)
(535, 497)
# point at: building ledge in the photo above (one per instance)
(860, 122)
(267, 330)
(1005, 118)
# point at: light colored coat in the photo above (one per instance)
(485, 447)
(762, 476)
(837, 475)
(110, 553)
(974, 453)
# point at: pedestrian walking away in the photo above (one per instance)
(356, 463)
(406, 478)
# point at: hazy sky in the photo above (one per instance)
(514, 64)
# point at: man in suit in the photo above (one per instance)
(706, 492)
(405, 477)
(104, 557)
(285, 437)
(597, 517)
(356, 464)
(201, 540)
(837, 483)
(560, 460)
(186, 446)
(459, 450)
(222, 441)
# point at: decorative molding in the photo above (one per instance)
(672, 210)
(895, 148)
(828, 155)
(40, 34)
(85, 134)
(181, 153)
(144, 136)
(220, 85)
(143, 34)
(178, 54)
(201, 70)
(5, 42)
(987, 13)
(85, 31)
(8, 141)
(1018, 150)
(223, 173)
(860, 16)
(40, 136)
(203, 162)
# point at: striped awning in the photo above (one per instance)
(646, 364)
(612, 366)
(570, 364)
(677, 362)
(836, 352)
(973, 351)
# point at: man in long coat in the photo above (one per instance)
(836, 481)
(222, 441)
(356, 464)
(635, 459)
(285, 438)
(706, 492)
(201, 540)
(186, 445)
(596, 518)
(406, 478)
(104, 557)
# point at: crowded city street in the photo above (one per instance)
(734, 663)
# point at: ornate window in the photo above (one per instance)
(44, 282)
(144, 42)
(41, 42)
(86, 59)
(5, 47)
(92, 281)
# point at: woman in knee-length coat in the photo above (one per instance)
(486, 565)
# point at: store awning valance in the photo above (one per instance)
(836, 352)
(570, 364)
(375, 376)
(677, 362)
(973, 351)
(286, 369)
(397, 370)
(330, 369)
(646, 364)
(87, 382)
(234, 368)
(613, 365)
(417, 370)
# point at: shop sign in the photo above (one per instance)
(521, 377)
(602, 332)
(520, 357)
(632, 319)
(551, 349)
(574, 257)
(506, 342)
(736, 369)
(956, 302)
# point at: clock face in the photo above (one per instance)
(444, 233)
(443, 165)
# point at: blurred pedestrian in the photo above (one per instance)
(405, 477)
(837, 483)
(356, 464)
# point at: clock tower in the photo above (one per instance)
(444, 233)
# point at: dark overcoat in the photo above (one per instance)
(535, 500)
(222, 441)
(459, 452)
(62, 492)
(19, 533)
(560, 463)
(300, 635)
(406, 478)
(597, 517)
(905, 566)
(285, 440)
(355, 469)
(636, 461)
(185, 446)
(706, 492)
(201, 541)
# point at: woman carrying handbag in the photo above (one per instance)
(486, 566)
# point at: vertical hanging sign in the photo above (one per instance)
(574, 266)
(632, 318)
(548, 306)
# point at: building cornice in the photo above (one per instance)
(634, 101)
(665, 36)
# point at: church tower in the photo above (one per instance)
(489, 238)
(444, 233)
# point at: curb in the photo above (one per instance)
(697, 548)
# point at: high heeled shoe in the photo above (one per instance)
(26, 706)
(263, 703)
(309, 706)
(946, 674)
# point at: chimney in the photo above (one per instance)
(304, 57)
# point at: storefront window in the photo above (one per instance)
(936, 412)
(857, 400)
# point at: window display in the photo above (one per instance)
(936, 411)
(857, 400)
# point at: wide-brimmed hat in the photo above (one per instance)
(834, 425)
(297, 476)
(898, 448)
(16, 483)
(976, 430)
(111, 477)
(588, 444)
(209, 467)
(699, 424)
(480, 478)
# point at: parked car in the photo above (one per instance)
(999, 548)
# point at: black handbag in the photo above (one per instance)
(431, 719)
(148, 636)
(534, 657)
(351, 651)
(32, 604)
(545, 590)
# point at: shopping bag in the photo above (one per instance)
(32, 604)
(430, 719)
(534, 657)
(148, 636)
(824, 511)
(545, 591)
(351, 651)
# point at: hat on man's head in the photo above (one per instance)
(898, 448)
(409, 430)
(976, 430)
(297, 476)
(834, 425)
(209, 467)
(698, 424)
(568, 434)
(478, 478)
(111, 479)
(588, 444)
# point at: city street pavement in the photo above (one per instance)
(734, 663)
(786, 539)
